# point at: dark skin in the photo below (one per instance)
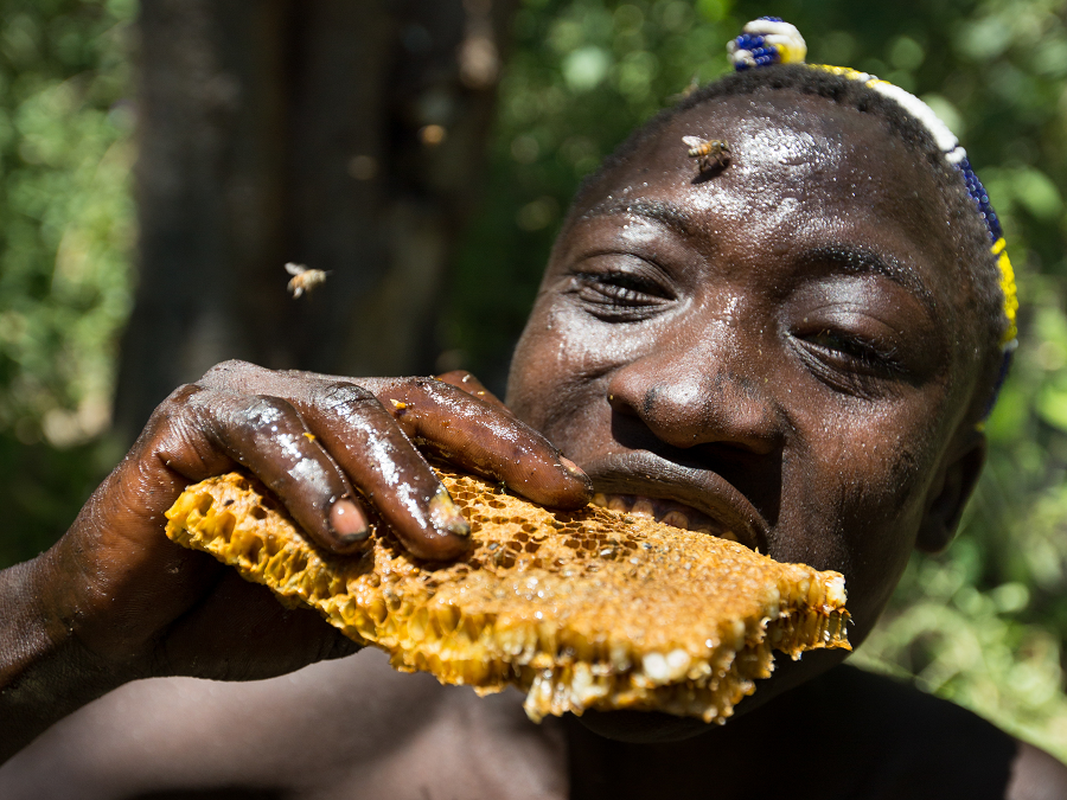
(783, 346)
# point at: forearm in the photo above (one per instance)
(45, 672)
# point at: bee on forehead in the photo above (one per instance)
(304, 279)
(709, 152)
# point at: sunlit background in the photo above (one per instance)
(985, 624)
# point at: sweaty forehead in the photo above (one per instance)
(779, 136)
(796, 162)
(810, 143)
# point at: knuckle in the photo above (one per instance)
(174, 406)
(434, 389)
(177, 430)
(268, 412)
(344, 397)
(263, 427)
(225, 371)
(180, 396)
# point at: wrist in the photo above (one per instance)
(45, 670)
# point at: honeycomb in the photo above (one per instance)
(588, 609)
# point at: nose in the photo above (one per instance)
(701, 390)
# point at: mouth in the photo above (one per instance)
(684, 497)
(669, 512)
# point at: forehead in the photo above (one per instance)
(801, 167)
(787, 134)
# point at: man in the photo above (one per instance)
(799, 343)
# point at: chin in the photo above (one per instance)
(643, 727)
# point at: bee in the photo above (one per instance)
(304, 279)
(710, 152)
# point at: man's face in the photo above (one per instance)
(773, 349)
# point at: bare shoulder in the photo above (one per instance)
(353, 727)
(1037, 776)
(142, 737)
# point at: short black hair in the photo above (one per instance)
(987, 305)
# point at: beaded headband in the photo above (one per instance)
(769, 40)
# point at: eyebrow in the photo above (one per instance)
(848, 260)
(654, 210)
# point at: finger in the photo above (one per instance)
(387, 468)
(371, 448)
(267, 436)
(464, 380)
(475, 434)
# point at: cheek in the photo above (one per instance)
(557, 371)
(858, 495)
(880, 459)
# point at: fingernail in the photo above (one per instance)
(445, 515)
(348, 522)
(573, 468)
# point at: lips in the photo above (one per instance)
(689, 498)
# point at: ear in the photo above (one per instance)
(950, 492)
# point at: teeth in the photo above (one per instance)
(643, 508)
(726, 534)
(665, 511)
(677, 519)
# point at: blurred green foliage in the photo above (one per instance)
(66, 213)
(984, 624)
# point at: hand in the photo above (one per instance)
(136, 604)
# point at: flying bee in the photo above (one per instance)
(710, 152)
(304, 279)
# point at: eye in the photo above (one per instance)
(620, 295)
(852, 348)
(851, 362)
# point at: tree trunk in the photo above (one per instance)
(346, 136)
